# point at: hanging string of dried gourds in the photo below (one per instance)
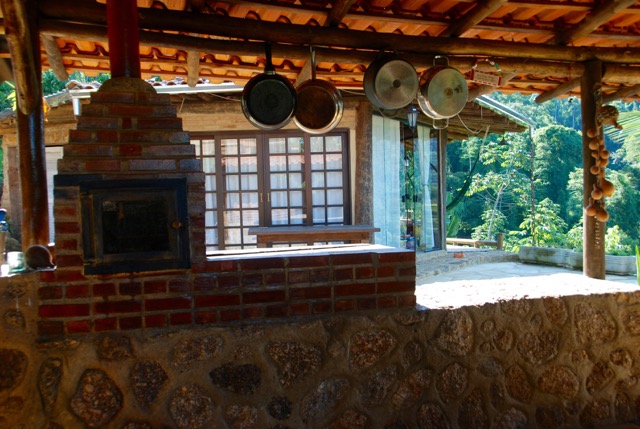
(608, 115)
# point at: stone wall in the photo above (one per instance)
(547, 363)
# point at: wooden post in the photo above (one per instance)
(124, 38)
(364, 165)
(594, 231)
(24, 43)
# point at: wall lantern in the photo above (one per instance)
(412, 116)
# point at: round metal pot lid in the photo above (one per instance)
(319, 108)
(393, 84)
(444, 94)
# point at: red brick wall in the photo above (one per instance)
(138, 135)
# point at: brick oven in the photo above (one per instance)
(129, 166)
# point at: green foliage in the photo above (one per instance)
(546, 228)
(638, 263)
(494, 221)
(617, 242)
(575, 237)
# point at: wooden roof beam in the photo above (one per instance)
(480, 11)
(598, 16)
(54, 56)
(621, 94)
(559, 90)
(236, 28)
(338, 12)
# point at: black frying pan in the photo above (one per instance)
(268, 99)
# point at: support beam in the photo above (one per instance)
(193, 67)
(54, 56)
(124, 45)
(598, 16)
(338, 12)
(363, 210)
(594, 231)
(559, 90)
(22, 34)
(237, 28)
(621, 94)
(614, 72)
(480, 11)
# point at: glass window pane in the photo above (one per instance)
(295, 180)
(212, 236)
(210, 183)
(250, 200)
(208, 147)
(334, 143)
(296, 162)
(211, 200)
(233, 183)
(277, 145)
(334, 161)
(278, 163)
(279, 199)
(196, 145)
(248, 164)
(232, 218)
(211, 218)
(335, 215)
(232, 236)
(319, 215)
(296, 145)
(278, 181)
(295, 198)
(279, 217)
(317, 144)
(334, 196)
(209, 165)
(248, 239)
(318, 197)
(297, 216)
(230, 164)
(317, 180)
(317, 162)
(232, 200)
(229, 147)
(334, 180)
(250, 218)
(249, 182)
(248, 146)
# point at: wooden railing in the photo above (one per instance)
(267, 236)
(498, 244)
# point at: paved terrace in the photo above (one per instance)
(484, 275)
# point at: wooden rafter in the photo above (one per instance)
(480, 11)
(54, 56)
(193, 67)
(559, 90)
(598, 16)
(338, 12)
(621, 94)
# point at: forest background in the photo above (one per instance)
(525, 185)
(529, 185)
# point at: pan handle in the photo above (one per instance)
(268, 68)
(313, 62)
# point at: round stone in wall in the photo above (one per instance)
(593, 325)
(294, 360)
(517, 383)
(368, 347)
(49, 377)
(242, 379)
(550, 416)
(539, 348)
(321, 401)
(555, 310)
(191, 407)
(559, 380)
(115, 348)
(455, 334)
(280, 407)
(97, 399)
(595, 413)
(471, 413)
(451, 382)
(14, 318)
(376, 389)
(241, 416)
(196, 349)
(512, 419)
(431, 416)
(350, 419)
(411, 388)
(147, 378)
(13, 366)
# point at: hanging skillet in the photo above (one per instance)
(444, 92)
(268, 99)
(320, 106)
(390, 82)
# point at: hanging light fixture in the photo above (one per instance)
(412, 116)
(503, 142)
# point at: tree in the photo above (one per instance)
(550, 227)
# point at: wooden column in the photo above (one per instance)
(124, 38)
(24, 44)
(364, 165)
(594, 231)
